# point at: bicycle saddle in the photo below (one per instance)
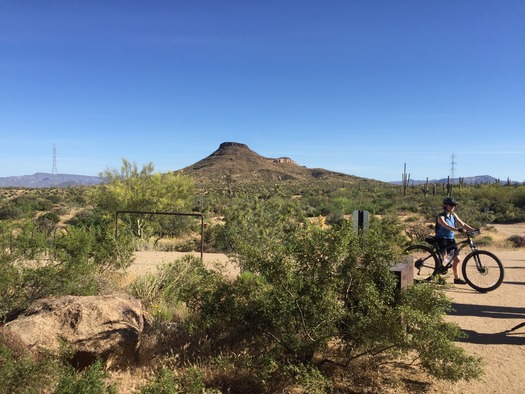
(431, 240)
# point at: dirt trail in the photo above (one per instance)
(487, 319)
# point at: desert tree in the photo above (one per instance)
(134, 189)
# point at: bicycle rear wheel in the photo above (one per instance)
(482, 271)
(425, 262)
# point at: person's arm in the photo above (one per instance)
(462, 225)
(443, 223)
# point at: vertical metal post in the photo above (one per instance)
(360, 220)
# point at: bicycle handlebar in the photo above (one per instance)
(473, 232)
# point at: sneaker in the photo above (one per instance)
(459, 281)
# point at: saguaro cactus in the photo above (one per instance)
(405, 178)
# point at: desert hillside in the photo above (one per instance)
(235, 161)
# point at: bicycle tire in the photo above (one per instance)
(489, 277)
(425, 262)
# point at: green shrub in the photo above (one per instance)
(421, 311)
(163, 383)
(92, 380)
(484, 240)
(95, 246)
(10, 212)
(308, 293)
(189, 381)
(185, 279)
(20, 370)
(48, 222)
(33, 267)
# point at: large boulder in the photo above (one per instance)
(93, 327)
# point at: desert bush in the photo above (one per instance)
(89, 217)
(215, 238)
(21, 371)
(188, 381)
(95, 246)
(310, 296)
(22, 241)
(417, 232)
(92, 380)
(48, 221)
(31, 203)
(164, 382)
(20, 285)
(517, 240)
(35, 266)
(484, 240)
(187, 245)
(9, 211)
(182, 280)
(131, 189)
(510, 218)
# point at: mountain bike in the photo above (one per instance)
(481, 270)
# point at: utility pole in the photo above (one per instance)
(453, 163)
(54, 171)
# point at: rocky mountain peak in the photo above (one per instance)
(225, 145)
(239, 163)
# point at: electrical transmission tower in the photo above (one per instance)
(54, 170)
(453, 163)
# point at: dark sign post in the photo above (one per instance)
(360, 220)
(403, 269)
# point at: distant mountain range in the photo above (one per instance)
(232, 160)
(42, 179)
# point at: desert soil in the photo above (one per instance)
(486, 318)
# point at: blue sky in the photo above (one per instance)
(359, 87)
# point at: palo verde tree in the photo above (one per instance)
(131, 189)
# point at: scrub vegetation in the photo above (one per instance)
(315, 308)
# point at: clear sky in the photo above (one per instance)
(359, 87)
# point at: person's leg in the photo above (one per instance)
(455, 265)
(455, 269)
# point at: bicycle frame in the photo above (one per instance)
(460, 246)
(482, 270)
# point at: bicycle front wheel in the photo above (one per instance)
(425, 262)
(482, 271)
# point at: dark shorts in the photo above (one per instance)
(446, 245)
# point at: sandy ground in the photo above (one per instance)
(486, 318)
(149, 261)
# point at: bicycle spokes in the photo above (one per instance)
(424, 262)
(483, 271)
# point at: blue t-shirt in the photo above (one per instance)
(442, 232)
